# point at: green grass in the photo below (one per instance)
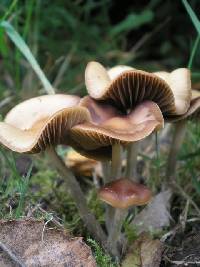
(102, 259)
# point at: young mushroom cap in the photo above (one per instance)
(41, 121)
(125, 87)
(124, 193)
(109, 126)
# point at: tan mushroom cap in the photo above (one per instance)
(125, 87)
(41, 121)
(180, 83)
(109, 126)
(82, 165)
(124, 193)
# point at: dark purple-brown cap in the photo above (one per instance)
(108, 125)
(124, 193)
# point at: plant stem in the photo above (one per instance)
(177, 140)
(131, 162)
(115, 232)
(88, 218)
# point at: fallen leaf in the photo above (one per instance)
(35, 246)
(145, 252)
(151, 252)
(155, 215)
(132, 258)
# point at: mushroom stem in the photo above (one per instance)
(116, 161)
(106, 167)
(115, 174)
(131, 162)
(177, 140)
(115, 232)
(88, 218)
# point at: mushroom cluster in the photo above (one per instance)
(123, 105)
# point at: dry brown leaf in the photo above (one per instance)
(151, 252)
(156, 214)
(145, 252)
(35, 246)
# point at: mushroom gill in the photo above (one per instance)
(126, 87)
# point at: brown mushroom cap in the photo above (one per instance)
(131, 87)
(123, 193)
(42, 121)
(109, 126)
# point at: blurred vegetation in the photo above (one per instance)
(64, 36)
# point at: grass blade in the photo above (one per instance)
(192, 15)
(24, 49)
(194, 49)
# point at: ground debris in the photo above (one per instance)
(186, 253)
(28, 243)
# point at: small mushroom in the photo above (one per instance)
(81, 165)
(122, 194)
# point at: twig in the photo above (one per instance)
(11, 255)
(183, 262)
(50, 219)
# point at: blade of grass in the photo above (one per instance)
(192, 15)
(24, 49)
(196, 24)
(194, 49)
(9, 10)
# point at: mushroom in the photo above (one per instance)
(41, 123)
(126, 88)
(36, 123)
(122, 194)
(81, 165)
